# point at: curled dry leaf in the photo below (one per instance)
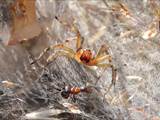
(25, 25)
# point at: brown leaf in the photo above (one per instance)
(25, 25)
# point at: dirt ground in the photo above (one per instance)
(137, 59)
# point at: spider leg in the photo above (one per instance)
(114, 74)
(73, 98)
(56, 88)
(114, 71)
(52, 47)
(103, 58)
(79, 41)
(62, 46)
(56, 92)
(64, 85)
(57, 54)
(42, 53)
(100, 59)
(103, 50)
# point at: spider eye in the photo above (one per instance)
(65, 94)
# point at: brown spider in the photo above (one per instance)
(82, 56)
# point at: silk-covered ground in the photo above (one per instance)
(136, 94)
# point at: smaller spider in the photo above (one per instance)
(82, 56)
(68, 91)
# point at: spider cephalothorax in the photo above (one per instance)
(65, 94)
(86, 56)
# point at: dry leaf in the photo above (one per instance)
(25, 25)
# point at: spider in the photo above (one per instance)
(81, 55)
(69, 91)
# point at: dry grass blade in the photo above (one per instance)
(45, 115)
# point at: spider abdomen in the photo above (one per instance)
(75, 90)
